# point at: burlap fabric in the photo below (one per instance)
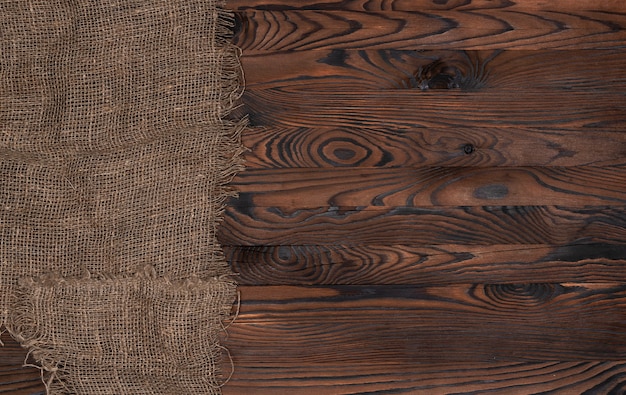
(144, 335)
(114, 158)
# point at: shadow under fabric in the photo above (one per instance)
(115, 155)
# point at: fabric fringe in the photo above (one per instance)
(172, 317)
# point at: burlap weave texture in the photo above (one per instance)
(115, 156)
(144, 335)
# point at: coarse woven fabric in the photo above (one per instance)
(115, 155)
(145, 335)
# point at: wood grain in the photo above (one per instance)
(579, 70)
(353, 325)
(429, 5)
(480, 225)
(301, 30)
(14, 378)
(292, 189)
(297, 107)
(502, 378)
(425, 265)
(460, 293)
(327, 147)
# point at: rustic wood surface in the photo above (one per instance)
(582, 70)
(405, 324)
(298, 107)
(502, 378)
(15, 378)
(435, 200)
(300, 147)
(433, 186)
(323, 28)
(396, 264)
(561, 6)
(474, 225)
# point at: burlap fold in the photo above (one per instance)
(133, 335)
(115, 154)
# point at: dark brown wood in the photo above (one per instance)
(486, 225)
(560, 6)
(501, 378)
(293, 106)
(352, 325)
(292, 189)
(300, 30)
(16, 379)
(330, 147)
(339, 91)
(502, 70)
(426, 265)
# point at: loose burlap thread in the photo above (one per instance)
(115, 156)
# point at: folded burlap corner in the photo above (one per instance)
(115, 155)
(139, 334)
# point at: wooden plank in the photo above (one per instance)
(411, 109)
(501, 378)
(487, 225)
(362, 325)
(14, 378)
(17, 380)
(328, 147)
(425, 265)
(300, 30)
(339, 69)
(430, 5)
(292, 189)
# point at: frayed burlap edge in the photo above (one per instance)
(40, 294)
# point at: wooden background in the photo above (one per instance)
(435, 199)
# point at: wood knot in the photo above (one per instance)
(344, 151)
(465, 71)
(438, 75)
(522, 294)
(284, 254)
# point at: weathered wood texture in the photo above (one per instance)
(16, 379)
(312, 147)
(504, 70)
(342, 339)
(560, 6)
(322, 27)
(298, 107)
(433, 186)
(408, 324)
(501, 378)
(472, 225)
(396, 264)
(435, 198)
